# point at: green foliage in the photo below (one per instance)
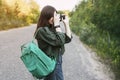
(12, 16)
(97, 24)
(106, 15)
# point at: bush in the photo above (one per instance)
(96, 23)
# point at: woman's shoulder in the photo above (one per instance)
(45, 30)
(42, 29)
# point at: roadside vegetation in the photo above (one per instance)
(97, 23)
(17, 13)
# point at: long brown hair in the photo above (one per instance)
(46, 13)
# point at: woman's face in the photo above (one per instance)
(51, 20)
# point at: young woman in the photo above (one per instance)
(51, 39)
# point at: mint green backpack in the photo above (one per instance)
(36, 61)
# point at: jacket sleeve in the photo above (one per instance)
(52, 38)
(68, 39)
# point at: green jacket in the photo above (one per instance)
(51, 42)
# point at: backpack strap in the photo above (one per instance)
(35, 34)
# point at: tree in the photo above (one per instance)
(106, 15)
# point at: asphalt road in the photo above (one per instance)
(79, 63)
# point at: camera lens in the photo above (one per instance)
(62, 17)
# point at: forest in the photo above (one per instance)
(17, 13)
(97, 23)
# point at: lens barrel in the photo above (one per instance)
(62, 17)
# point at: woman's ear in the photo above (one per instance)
(51, 20)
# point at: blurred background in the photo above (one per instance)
(96, 22)
(17, 13)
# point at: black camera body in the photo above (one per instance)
(62, 17)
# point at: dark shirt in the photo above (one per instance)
(51, 42)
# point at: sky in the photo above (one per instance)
(59, 4)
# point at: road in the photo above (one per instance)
(79, 63)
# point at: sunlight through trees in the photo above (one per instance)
(16, 13)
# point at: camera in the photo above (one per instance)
(62, 17)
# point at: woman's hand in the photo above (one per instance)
(57, 22)
(66, 21)
(67, 27)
